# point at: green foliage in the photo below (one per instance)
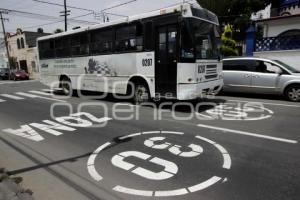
(228, 47)
(58, 30)
(237, 12)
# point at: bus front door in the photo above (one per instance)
(166, 61)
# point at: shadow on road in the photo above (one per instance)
(116, 141)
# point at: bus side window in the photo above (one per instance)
(62, 47)
(101, 41)
(47, 50)
(129, 38)
(79, 44)
(149, 36)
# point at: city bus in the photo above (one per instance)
(168, 53)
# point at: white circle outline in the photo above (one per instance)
(181, 191)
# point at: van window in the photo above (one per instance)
(240, 65)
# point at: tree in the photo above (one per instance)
(40, 30)
(237, 12)
(58, 30)
(228, 47)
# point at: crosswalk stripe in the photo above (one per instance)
(40, 93)
(51, 90)
(26, 94)
(11, 96)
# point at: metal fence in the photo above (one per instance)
(278, 43)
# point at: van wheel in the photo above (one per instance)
(66, 86)
(292, 93)
(141, 94)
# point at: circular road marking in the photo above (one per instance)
(167, 193)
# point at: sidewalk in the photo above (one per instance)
(11, 188)
(44, 185)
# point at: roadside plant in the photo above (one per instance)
(228, 47)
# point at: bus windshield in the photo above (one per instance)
(200, 40)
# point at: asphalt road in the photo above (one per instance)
(227, 148)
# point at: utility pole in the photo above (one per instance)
(5, 38)
(65, 14)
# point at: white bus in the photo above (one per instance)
(168, 53)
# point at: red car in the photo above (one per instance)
(19, 75)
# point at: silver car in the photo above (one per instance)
(264, 76)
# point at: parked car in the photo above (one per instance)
(4, 73)
(19, 75)
(264, 76)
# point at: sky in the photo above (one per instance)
(31, 24)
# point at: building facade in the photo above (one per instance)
(23, 51)
(281, 35)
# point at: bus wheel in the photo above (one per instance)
(141, 94)
(66, 86)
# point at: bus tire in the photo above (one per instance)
(66, 86)
(141, 94)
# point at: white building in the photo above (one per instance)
(263, 14)
(23, 51)
(281, 35)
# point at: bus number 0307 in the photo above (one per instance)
(147, 62)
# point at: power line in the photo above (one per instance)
(41, 16)
(96, 13)
(62, 5)
(56, 22)
(118, 5)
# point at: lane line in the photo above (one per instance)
(41, 97)
(273, 104)
(11, 96)
(41, 93)
(26, 94)
(249, 134)
(7, 83)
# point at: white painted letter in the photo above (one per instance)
(50, 126)
(26, 132)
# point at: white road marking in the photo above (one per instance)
(226, 157)
(119, 160)
(196, 151)
(1, 100)
(133, 191)
(15, 82)
(150, 143)
(26, 132)
(41, 97)
(274, 104)
(91, 163)
(26, 94)
(52, 90)
(11, 96)
(170, 168)
(41, 93)
(249, 134)
(37, 96)
(178, 192)
(205, 184)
